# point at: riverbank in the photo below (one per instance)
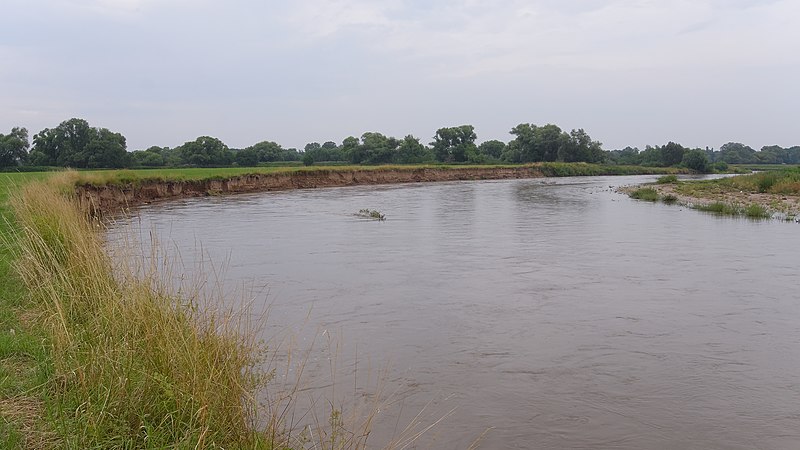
(103, 192)
(97, 355)
(774, 194)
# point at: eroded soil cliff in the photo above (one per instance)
(108, 198)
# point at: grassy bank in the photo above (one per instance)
(24, 358)
(760, 195)
(91, 357)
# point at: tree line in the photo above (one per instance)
(74, 143)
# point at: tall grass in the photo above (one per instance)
(132, 366)
(126, 359)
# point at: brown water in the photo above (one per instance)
(553, 311)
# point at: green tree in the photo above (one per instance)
(533, 143)
(455, 144)
(14, 147)
(247, 157)
(107, 149)
(651, 156)
(579, 147)
(696, 160)
(672, 154)
(411, 151)
(73, 143)
(377, 148)
(205, 151)
(737, 153)
(148, 158)
(492, 149)
(269, 151)
(350, 150)
(629, 156)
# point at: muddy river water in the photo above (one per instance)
(554, 313)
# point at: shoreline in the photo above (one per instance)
(779, 206)
(98, 199)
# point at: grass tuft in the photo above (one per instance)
(667, 179)
(646, 194)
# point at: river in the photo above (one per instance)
(541, 313)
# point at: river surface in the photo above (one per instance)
(554, 313)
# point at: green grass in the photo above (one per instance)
(646, 194)
(779, 182)
(91, 359)
(719, 208)
(25, 363)
(752, 211)
(667, 179)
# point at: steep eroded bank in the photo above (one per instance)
(96, 199)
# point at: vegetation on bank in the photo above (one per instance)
(74, 143)
(98, 358)
(758, 195)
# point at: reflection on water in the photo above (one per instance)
(555, 311)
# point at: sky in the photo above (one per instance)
(629, 72)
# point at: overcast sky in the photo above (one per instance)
(630, 72)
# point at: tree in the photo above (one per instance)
(14, 147)
(736, 153)
(350, 150)
(247, 158)
(492, 149)
(533, 143)
(151, 157)
(377, 148)
(107, 149)
(578, 146)
(73, 143)
(672, 154)
(627, 156)
(651, 156)
(411, 151)
(205, 151)
(455, 144)
(696, 160)
(269, 151)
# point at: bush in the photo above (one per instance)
(696, 160)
